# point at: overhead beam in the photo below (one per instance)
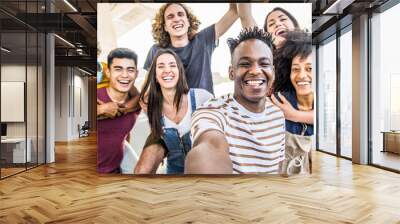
(337, 7)
(83, 23)
(81, 61)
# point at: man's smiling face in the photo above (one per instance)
(122, 74)
(252, 71)
(176, 20)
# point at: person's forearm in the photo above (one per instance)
(244, 13)
(209, 155)
(204, 159)
(302, 116)
(150, 158)
(100, 111)
(132, 105)
(226, 21)
(145, 168)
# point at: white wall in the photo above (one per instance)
(33, 126)
(61, 103)
(81, 104)
(71, 94)
(16, 73)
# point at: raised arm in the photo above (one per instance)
(226, 21)
(244, 13)
(209, 155)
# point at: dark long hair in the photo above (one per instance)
(155, 97)
(291, 17)
(298, 43)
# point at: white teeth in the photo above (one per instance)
(254, 82)
(167, 78)
(123, 81)
(177, 27)
(303, 83)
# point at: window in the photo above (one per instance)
(385, 89)
(346, 92)
(327, 96)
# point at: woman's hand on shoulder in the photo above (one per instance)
(285, 106)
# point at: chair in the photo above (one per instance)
(84, 130)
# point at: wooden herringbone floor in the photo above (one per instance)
(70, 191)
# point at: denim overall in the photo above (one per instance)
(177, 146)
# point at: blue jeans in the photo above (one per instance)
(178, 147)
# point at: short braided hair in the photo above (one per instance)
(248, 34)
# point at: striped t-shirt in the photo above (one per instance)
(256, 140)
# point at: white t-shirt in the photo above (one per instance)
(184, 125)
(256, 140)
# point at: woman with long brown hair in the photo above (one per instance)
(169, 104)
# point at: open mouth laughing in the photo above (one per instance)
(168, 78)
(303, 83)
(254, 81)
(281, 32)
(124, 82)
(177, 27)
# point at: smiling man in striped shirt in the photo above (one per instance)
(243, 132)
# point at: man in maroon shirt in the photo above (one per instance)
(111, 133)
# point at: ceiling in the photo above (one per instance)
(75, 21)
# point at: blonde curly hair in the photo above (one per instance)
(161, 36)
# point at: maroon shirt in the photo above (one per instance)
(111, 134)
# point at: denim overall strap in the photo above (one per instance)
(177, 146)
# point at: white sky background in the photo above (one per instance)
(140, 39)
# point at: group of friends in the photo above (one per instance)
(240, 132)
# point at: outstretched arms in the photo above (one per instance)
(210, 155)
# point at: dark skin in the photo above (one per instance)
(252, 71)
(252, 65)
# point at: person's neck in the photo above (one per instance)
(305, 102)
(116, 96)
(180, 41)
(168, 96)
(251, 106)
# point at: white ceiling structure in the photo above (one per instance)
(116, 19)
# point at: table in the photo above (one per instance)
(391, 141)
(13, 150)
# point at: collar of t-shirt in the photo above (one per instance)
(247, 112)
